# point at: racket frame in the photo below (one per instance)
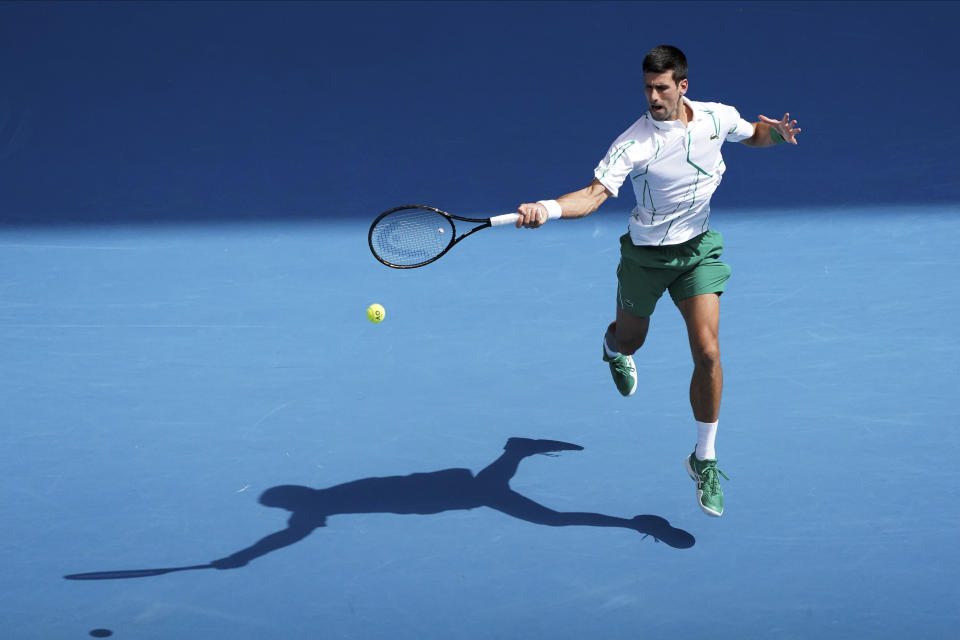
(483, 223)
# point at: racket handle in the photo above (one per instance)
(511, 218)
(507, 218)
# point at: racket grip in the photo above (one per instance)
(507, 218)
(511, 218)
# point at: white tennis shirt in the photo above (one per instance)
(674, 170)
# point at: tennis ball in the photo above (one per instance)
(375, 313)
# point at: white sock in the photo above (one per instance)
(706, 439)
(610, 352)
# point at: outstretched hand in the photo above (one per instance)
(786, 127)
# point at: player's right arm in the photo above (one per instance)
(296, 531)
(572, 205)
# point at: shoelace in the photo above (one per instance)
(711, 483)
(622, 365)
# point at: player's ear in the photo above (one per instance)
(683, 86)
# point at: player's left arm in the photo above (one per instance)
(768, 132)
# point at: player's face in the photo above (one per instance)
(664, 96)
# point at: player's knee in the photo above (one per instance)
(630, 338)
(707, 357)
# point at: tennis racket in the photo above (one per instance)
(415, 235)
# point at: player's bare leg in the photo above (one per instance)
(629, 331)
(702, 316)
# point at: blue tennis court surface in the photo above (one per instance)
(202, 437)
(156, 381)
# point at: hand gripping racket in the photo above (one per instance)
(415, 235)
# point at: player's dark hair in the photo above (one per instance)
(666, 58)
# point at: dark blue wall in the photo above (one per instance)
(181, 110)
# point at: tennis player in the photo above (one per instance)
(671, 157)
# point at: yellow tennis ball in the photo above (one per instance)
(375, 313)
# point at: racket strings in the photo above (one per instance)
(411, 236)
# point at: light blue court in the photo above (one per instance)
(156, 381)
(203, 438)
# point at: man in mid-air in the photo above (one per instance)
(671, 156)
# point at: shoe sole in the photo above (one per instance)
(633, 390)
(696, 478)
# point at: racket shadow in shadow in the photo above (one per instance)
(132, 573)
(419, 493)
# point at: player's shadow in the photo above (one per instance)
(423, 493)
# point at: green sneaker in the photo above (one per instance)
(709, 493)
(624, 373)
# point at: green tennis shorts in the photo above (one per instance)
(688, 269)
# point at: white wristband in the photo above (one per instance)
(552, 207)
